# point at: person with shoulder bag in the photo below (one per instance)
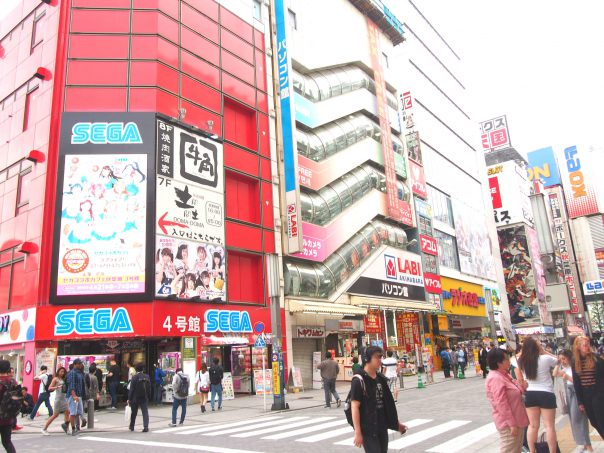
(11, 401)
(59, 386)
(180, 387)
(44, 393)
(202, 381)
(216, 375)
(588, 380)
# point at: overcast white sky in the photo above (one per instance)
(541, 62)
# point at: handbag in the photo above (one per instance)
(560, 388)
(541, 445)
(127, 413)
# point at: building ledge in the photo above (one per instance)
(382, 17)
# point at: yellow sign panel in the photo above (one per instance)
(463, 298)
(276, 379)
(443, 323)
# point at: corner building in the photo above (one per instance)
(136, 185)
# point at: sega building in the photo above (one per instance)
(136, 162)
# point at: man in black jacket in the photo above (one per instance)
(373, 408)
(482, 361)
(138, 396)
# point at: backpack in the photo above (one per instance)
(183, 386)
(215, 375)
(348, 402)
(142, 389)
(47, 385)
(11, 400)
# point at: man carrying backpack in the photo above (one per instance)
(180, 387)
(44, 392)
(138, 396)
(76, 393)
(216, 375)
(372, 405)
(10, 405)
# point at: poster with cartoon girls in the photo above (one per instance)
(189, 270)
(103, 225)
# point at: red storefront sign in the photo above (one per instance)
(428, 244)
(495, 192)
(373, 322)
(433, 283)
(418, 179)
(407, 326)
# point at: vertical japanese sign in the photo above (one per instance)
(580, 193)
(398, 209)
(495, 134)
(190, 244)
(566, 252)
(418, 180)
(290, 171)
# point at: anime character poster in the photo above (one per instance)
(103, 224)
(519, 275)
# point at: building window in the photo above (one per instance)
(293, 21)
(257, 10)
(9, 260)
(447, 250)
(425, 225)
(36, 34)
(441, 206)
(430, 264)
(28, 98)
(23, 189)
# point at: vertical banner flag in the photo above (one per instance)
(580, 194)
(286, 92)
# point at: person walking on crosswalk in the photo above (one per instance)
(372, 405)
(329, 372)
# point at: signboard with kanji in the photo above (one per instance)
(495, 134)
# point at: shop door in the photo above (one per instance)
(302, 354)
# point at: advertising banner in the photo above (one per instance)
(407, 329)
(463, 298)
(593, 287)
(17, 326)
(579, 191)
(433, 283)
(543, 166)
(510, 192)
(414, 146)
(373, 322)
(495, 134)
(473, 243)
(428, 244)
(189, 244)
(101, 229)
(418, 180)
(286, 92)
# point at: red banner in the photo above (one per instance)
(428, 244)
(407, 325)
(373, 322)
(495, 193)
(433, 283)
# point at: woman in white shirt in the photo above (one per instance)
(540, 401)
(202, 380)
(578, 419)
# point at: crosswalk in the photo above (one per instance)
(425, 435)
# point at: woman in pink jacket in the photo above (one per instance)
(505, 395)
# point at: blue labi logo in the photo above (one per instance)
(105, 133)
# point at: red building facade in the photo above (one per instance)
(192, 61)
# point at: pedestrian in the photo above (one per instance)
(578, 420)
(59, 386)
(138, 397)
(94, 392)
(540, 400)
(180, 387)
(455, 361)
(482, 361)
(372, 405)
(99, 378)
(505, 396)
(159, 384)
(462, 359)
(76, 393)
(216, 375)
(113, 382)
(7, 384)
(390, 370)
(202, 383)
(445, 359)
(131, 373)
(356, 366)
(329, 373)
(43, 393)
(28, 402)
(588, 380)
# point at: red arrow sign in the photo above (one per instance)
(163, 223)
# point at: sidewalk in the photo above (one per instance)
(567, 443)
(241, 408)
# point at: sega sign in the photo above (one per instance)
(227, 321)
(103, 133)
(90, 321)
(593, 287)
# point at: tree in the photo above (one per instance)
(596, 315)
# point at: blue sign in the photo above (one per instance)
(105, 133)
(543, 166)
(227, 321)
(90, 321)
(260, 343)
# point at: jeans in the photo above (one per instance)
(377, 443)
(145, 410)
(179, 402)
(216, 389)
(43, 398)
(6, 433)
(113, 392)
(329, 387)
(159, 388)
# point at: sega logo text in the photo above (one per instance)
(226, 321)
(90, 321)
(105, 133)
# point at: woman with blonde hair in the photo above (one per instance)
(588, 380)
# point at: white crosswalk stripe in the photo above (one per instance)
(410, 424)
(216, 426)
(307, 430)
(461, 442)
(327, 435)
(426, 434)
(253, 426)
(273, 429)
(174, 429)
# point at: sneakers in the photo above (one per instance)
(17, 428)
(171, 425)
(339, 403)
(44, 432)
(75, 432)
(65, 428)
(181, 423)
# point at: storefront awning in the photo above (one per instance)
(391, 304)
(301, 306)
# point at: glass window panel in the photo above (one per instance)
(309, 282)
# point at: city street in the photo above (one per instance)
(447, 417)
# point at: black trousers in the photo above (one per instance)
(144, 409)
(594, 408)
(377, 443)
(6, 433)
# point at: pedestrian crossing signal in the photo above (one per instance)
(260, 343)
